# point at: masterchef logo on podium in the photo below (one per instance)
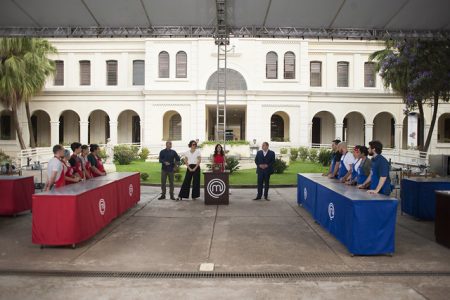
(216, 188)
(102, 206)
(130, 190)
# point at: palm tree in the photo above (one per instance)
(24, 69)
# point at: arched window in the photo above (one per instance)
(277, 128)
(163, 64)
(6, 126)
(235, 81)
(289, 65)
(271, 65)
(181, 64)
(175, 128)
(444, 128)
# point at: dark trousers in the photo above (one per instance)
(191, 176)
(263, 178)
(164, 175)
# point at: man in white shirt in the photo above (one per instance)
(55, 167)
(347, 162)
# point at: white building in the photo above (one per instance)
(288, 91)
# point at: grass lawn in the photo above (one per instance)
(241, 177)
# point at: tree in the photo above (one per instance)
(24, 69)
(418, 71)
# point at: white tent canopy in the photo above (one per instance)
(277, 18)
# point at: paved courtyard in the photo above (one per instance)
(246, 236)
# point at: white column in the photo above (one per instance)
(25, 133)
(369, 133)
(338, 132)
(113, 132)
(142, 124)
(54, 129)
(310, 133)
(398, 136)
(84, 132)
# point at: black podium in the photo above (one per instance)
(216, 188)
(442, 221)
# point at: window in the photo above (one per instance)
(138, 72)
(289, 65)
(181, 65)
(271, 65)
(6, 126)
(277, 128)
(342, 74)
(315, 75)
(85, 72)
(175, 128)
(369, 74)
(163, 64)
(111, 72)
(59, 76)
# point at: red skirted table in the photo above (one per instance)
(128, 188)
(15, 194)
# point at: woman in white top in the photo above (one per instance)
(192, 160)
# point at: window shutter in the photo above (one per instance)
(59, 76)
(271, 65)
(111, 72)
(181, 65)
(85, 72)
(175, 128)
(138, 72)
(163, 64)
(369, 74)
(289, 65)
(342, 74)
(315, 73)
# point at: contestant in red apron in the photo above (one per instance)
(96, 162)
(75, 161)
(69, 174)
(55, 169)
(85, 164)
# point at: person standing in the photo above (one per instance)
(167, 158)
(85, 164)
(379, 179)
(55, 169)
(192, 159)
(75, 160)
(97, 168)
(264, 160)
(219, 157)
(347, 162)
(335, 160)
(70, 175)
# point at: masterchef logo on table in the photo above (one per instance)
(216, 188)
(102, 206)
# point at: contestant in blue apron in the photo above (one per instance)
(347, 162)
(380, 181)
(335, 160)
(361, 169)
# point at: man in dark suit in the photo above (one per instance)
(264, 160)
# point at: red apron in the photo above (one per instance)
(77, 168)
(69, 173)
(99, 166)
(61, 181)
(87, 166)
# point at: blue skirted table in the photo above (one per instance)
(364, 223)
(418, 197)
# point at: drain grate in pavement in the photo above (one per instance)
(225, 275)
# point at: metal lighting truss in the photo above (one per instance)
(217, 32)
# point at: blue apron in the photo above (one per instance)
(361, 177)
(354, 170)
(386, 188)
(342, 168)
